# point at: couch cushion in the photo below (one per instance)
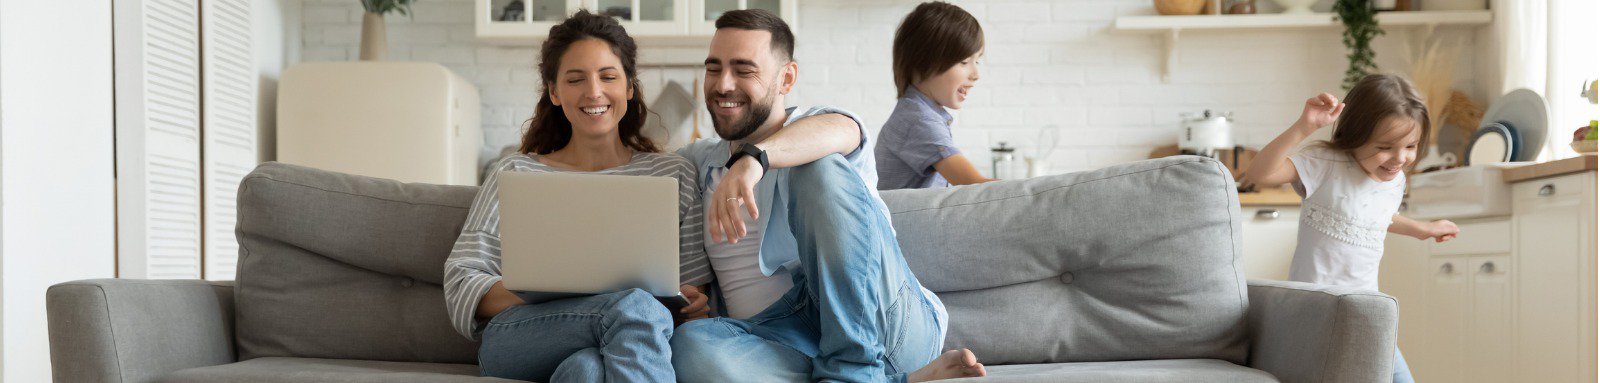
(1139, 371)
(289, 370)
(1131, 262)
(346, 267)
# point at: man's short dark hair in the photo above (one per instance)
(762, 20)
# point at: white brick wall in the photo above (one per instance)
(1048, 63)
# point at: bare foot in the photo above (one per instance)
(950, 365)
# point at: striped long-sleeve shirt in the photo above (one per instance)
(474, 263)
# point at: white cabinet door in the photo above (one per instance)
(1443, 356)
(1489, 328)
(1406, 275)
(1555, 279)
(1269, 234)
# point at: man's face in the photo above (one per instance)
(744, 80)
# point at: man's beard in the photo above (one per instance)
(755, 115)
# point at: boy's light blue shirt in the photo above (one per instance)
(779, 249)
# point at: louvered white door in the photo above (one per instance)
(229, 125)
(157, 51)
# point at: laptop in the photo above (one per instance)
(564, 235)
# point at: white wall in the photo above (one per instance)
(277, 41)
(56, 173)
(1047, 63)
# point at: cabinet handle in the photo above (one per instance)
(1447, 268)
(1267, 214)
(1487, 268)
(1547, 190)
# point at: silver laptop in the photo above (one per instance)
(565, 234)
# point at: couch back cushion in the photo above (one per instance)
(346, 267)
(1134, 261)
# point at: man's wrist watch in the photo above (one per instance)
(748, 149)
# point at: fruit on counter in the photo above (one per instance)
(1586, 133)
(1594, 128)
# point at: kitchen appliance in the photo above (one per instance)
(1523, 112)
(1003, 161)
(1204, 133)
(407, 121)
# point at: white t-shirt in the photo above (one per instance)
(745, 289)
(1343, 219)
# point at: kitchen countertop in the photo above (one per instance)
(1544, 169)
(1278, 196)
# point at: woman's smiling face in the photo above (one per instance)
(591, 88)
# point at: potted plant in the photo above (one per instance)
(1360, 27)
(373, 40)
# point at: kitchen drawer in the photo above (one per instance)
(1481, 237)
(1549, 187)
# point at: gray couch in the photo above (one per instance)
(1125, 274)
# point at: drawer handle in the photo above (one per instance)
(1487, 268)
(1267, 214)
(1547, 190)
(1447, 268)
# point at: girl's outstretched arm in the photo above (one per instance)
(1272, 166)
(1441, 230)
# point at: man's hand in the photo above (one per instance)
(699, 306)
(736, 189)
(1441, 230)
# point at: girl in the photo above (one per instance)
(1351, 185)
(936, 53)
(587, 121)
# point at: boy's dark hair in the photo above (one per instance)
(933, 38)
(762, 20)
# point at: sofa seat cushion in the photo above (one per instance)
(1172, 370)
(312, 370)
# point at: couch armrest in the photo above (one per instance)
(136, 331)
(1302, 332)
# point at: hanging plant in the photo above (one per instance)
(1360, 27)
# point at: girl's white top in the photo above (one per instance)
(1344, 217)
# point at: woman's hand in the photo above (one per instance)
(1320, 111)
(699, 304)
(1442, 230)
(736, 189)
(497, 299)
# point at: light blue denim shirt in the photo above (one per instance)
(779, 248)
(916, 136)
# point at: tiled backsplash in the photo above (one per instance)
(1048, 63)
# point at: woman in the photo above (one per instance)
(588, 120)
(936, 52)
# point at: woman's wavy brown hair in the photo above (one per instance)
(549, 129)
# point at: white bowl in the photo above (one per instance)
(1296, 6)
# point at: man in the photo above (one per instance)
(810, 277)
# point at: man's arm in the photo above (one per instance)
(809, 139)
(805, 140)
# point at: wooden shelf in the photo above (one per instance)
(1171, 26)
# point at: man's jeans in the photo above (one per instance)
(615, 337)
(855, 314)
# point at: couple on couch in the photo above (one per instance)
(781, 230)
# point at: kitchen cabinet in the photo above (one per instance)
(1269, 234)
(1512, 299)
(1554, 221)
(528, 21)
